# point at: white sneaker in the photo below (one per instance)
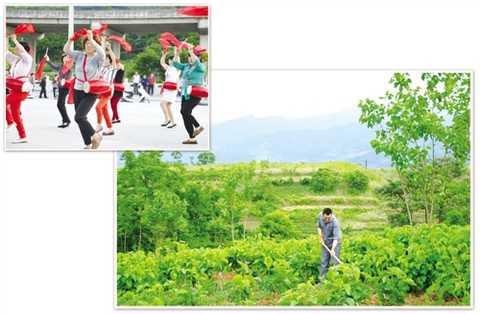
(99, 128)
(88, 146)
(197, 131)
(20, 141)
(108, 132)
(96, 140)
(10, 126)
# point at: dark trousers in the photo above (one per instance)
(54, 92)
(43, 91)
(83, 103)
(135, 88)
(188, 119)
(150, 89)
(62, 95)
(114, 104)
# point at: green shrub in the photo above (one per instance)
(454, 202)
(278, 225)
(393, 286)
(283, 182)
(325, 180)
(356, 181)
(433, 259)
(306, 181)
(239, 288)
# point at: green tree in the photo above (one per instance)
(206, 158)
(150, 205)
(233, 202)
(54, 42)
(413, 124)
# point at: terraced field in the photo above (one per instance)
(355, 212)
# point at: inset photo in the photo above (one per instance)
(109, 78)
(347, 189)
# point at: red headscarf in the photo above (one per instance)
(199, 50)
(83, 32)
(79, 34)
(123, 43)
(165, 44)
(170, 38)
(24, 28)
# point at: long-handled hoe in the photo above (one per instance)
(331, 252)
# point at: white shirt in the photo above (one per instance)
(136, 78)
(172, 74)
(21, 65)
(108, 74)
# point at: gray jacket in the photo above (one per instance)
(93, 65)
(330, 230)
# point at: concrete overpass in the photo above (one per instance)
(121, 21)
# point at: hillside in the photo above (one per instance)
(356, 212)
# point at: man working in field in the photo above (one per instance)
(329, 233)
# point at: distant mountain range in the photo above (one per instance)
(334, 137)
(330, 137)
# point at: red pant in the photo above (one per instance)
(13, 114)
(114, 103)
(102, 111)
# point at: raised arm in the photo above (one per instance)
(197, 64)
(98, 48)
(176, 54)
(110, 52)
(176, 61)
(23, 53)
(68, 48)
(192, 54)
(53, 65)
(162, 61)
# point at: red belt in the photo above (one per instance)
(97, 87)
(199, 91)
(15, 84)
(118, 87)
(68, 83)
(170, 85)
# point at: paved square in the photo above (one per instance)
(139, 128)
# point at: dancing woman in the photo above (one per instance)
(87, 67)
(107, 74)
(118, 91)
(193, 76)
(169, 90)
(64, 79)
(18, 85)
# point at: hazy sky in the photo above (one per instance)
(292, 94)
